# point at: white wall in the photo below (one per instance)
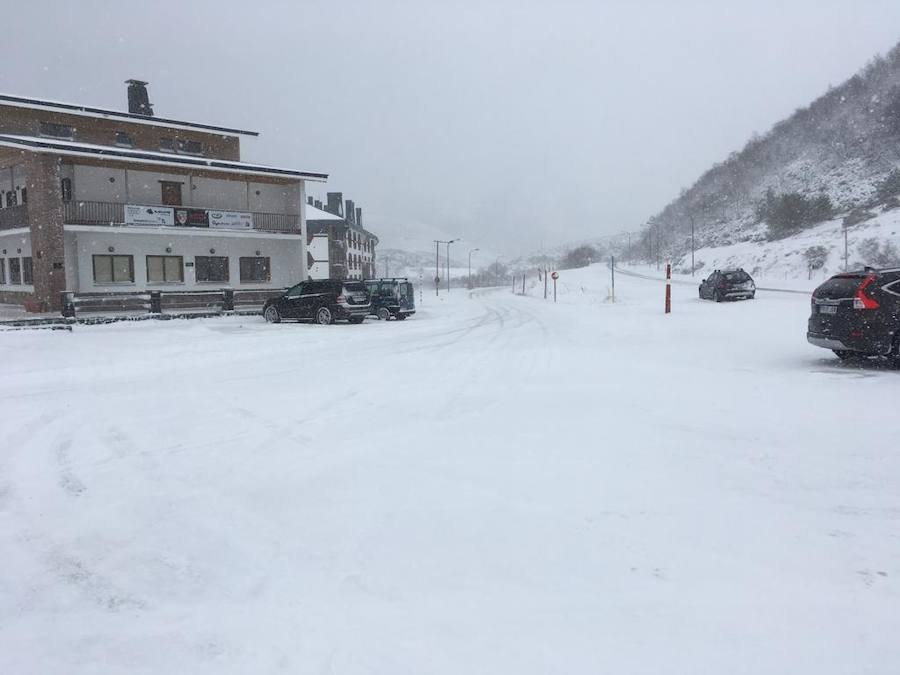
(91, 183)
(287, 256)
(215, 193)
(269, 198)
(99, 184)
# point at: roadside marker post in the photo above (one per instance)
(668, 288)
(523, 283)
(555, 276)
(612, 271)
(545, 283)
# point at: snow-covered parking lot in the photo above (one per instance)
(498, 485)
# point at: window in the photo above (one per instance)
(167, 144)
(27, 271)
(56, 130)
(113, 269)
(2, 271)
(15, 271)
(170, 192)
(125, 140)
(211, 268)
(66, 189)
(11, 198)
(24, 195)
(254, 269)
(165, 269)
(190, 147)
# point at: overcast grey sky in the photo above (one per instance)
(510, 124)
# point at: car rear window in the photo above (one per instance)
(838, 288)
(736, 277)
(354, 287)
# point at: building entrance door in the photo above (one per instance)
(171, 193)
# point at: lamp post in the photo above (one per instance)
(470, 266)
(448, 262)
(437, 265)
(692, 244)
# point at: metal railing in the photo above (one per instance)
(111, 213)
(14, 216)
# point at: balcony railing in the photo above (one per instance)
(111, 213)
(14, 216)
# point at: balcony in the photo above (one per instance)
(14, 216)
(113, 214)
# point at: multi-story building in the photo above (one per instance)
(104, 201)
(339, 246)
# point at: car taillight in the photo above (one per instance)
(860, 299)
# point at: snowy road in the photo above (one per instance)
(498, 485)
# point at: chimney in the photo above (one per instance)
(318, 204)
(138, 99)
(359, 216)
(334, 203)
(350, 211)
(309, 200)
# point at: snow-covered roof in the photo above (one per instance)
(312, 213)
(72, 148)
(89, 111)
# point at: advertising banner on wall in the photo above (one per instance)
(191, 218)
(148, 215)
(230, 220)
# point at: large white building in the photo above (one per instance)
(103, 201)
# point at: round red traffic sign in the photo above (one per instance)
(554, 276)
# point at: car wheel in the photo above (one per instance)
(272, 315)
(716, 296)
(401, 317)
(324, 316)
(894, 356)
(384, 313)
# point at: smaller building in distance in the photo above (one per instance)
(338, 246)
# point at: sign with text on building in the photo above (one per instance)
(148, 215)
(191, 218)
(230, 220)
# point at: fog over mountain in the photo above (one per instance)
(513, 125)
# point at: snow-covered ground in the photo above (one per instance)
(498, 485)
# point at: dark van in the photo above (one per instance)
(391, 298)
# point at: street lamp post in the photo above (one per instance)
(437, 265)
(470, 266)
(692, 244)
(448, 262)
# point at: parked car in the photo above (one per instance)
(858, 314)
(322, 301)
(391, 298)
(728, 285)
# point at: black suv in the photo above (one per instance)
(728, 285)
(391, 298)
(858, 314)
(320, 301)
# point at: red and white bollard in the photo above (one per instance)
(668, 288)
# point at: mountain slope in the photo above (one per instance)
(842, 146)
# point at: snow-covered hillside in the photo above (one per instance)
(841, 149)
(873, 242)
